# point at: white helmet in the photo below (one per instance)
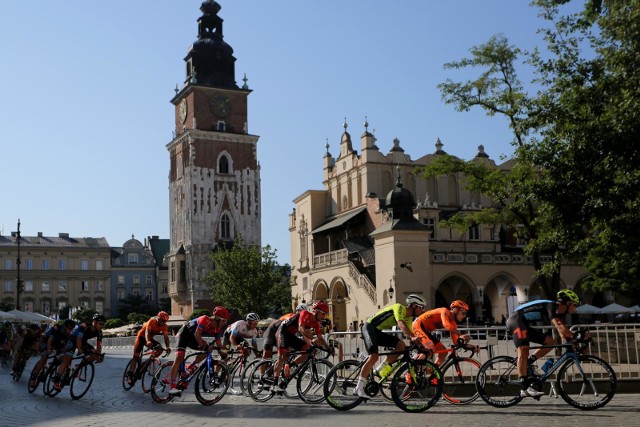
(252, 316)
(302, 307)
(416, 299)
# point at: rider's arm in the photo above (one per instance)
(167, 343)
(400, 313)
(198, 337)
(562, 328)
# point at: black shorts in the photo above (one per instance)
(269, 335)
(522, 332)
(186, 339)
(288, 340)
(374, 338)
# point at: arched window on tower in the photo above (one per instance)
(225, 227)
(223, 165)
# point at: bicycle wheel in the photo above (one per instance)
(235, 372)
(47, 385)
(34, 378)
(311, 381)
(244, 377)
(259, 385)
(497, 382)
(81, 380)
(420, 391)
(460, 381)
(17, 373)
(147, 374)
(339, 386)
(212, 382)
(161, 383)
(587, 385)
(125, 378)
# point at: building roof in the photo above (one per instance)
(63, 240)
(340, 220)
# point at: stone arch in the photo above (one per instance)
(320, 291)
(497, 296)
(338, 297)
(456, 286)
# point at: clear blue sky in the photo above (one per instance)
(85, 112)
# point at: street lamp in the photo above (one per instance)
(390, 290)
(18, 262)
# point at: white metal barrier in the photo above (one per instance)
(618, 344)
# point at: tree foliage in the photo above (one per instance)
(84, 315)
(135, 304)
(248, 279)
(574, 175)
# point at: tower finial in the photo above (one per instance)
(366, 124)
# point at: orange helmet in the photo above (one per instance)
(221, 312)
(459, 304)
(320, 306)
(163, 315)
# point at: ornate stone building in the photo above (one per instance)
(363, 241)
(214, 177)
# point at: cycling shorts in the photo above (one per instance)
(374, 338)
(522, 332)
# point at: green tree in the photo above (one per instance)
(84, 315)
(137, 317)
(248, 279)
(574, 178)
(116, 322)
(589, 121)
(199, 312)
(135, 304)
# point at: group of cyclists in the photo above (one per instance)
(302, 329)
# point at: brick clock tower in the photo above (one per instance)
(214, 177)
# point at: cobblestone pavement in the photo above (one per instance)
(107, 404)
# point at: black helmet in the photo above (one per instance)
(99, 317)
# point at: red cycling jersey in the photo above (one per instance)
(304, 318)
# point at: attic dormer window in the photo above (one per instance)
(221, 126)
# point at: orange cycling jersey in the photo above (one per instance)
(437, 318)
(153, 327)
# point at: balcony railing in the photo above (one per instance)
(330, 258)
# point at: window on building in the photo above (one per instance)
(62, 264)
(8, 264)
(136, 292)
(172, 270)
(8, 286)
(149, 296)
(223, 165)
(474, 232)
(225, 227)
(132, 258)
(99, 264)
(45, 264)
(431, 225)
(45, 287)
(121, 294)
(520, 236)
(61, 305)
(84, 265)
(121, 279)
(183, 270)
(147, 280)
(28, 306)
(100, 306)
(28, 285)
(62, 286)
(84, 286)
(136, 280)
(100, 286)
(84, 304)
(46, 307)
(165, 288)
(28, 264)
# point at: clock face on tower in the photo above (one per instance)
(220, 105)
(182, 109)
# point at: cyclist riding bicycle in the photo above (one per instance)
(393, 315)
(241, 330)
(156, 325)
(54, 339)
(270, 339)
(306, 323)
(190, 336)
(539, 312)
(28, 344)
(439, 318)
(78, 339)
(6, 339)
